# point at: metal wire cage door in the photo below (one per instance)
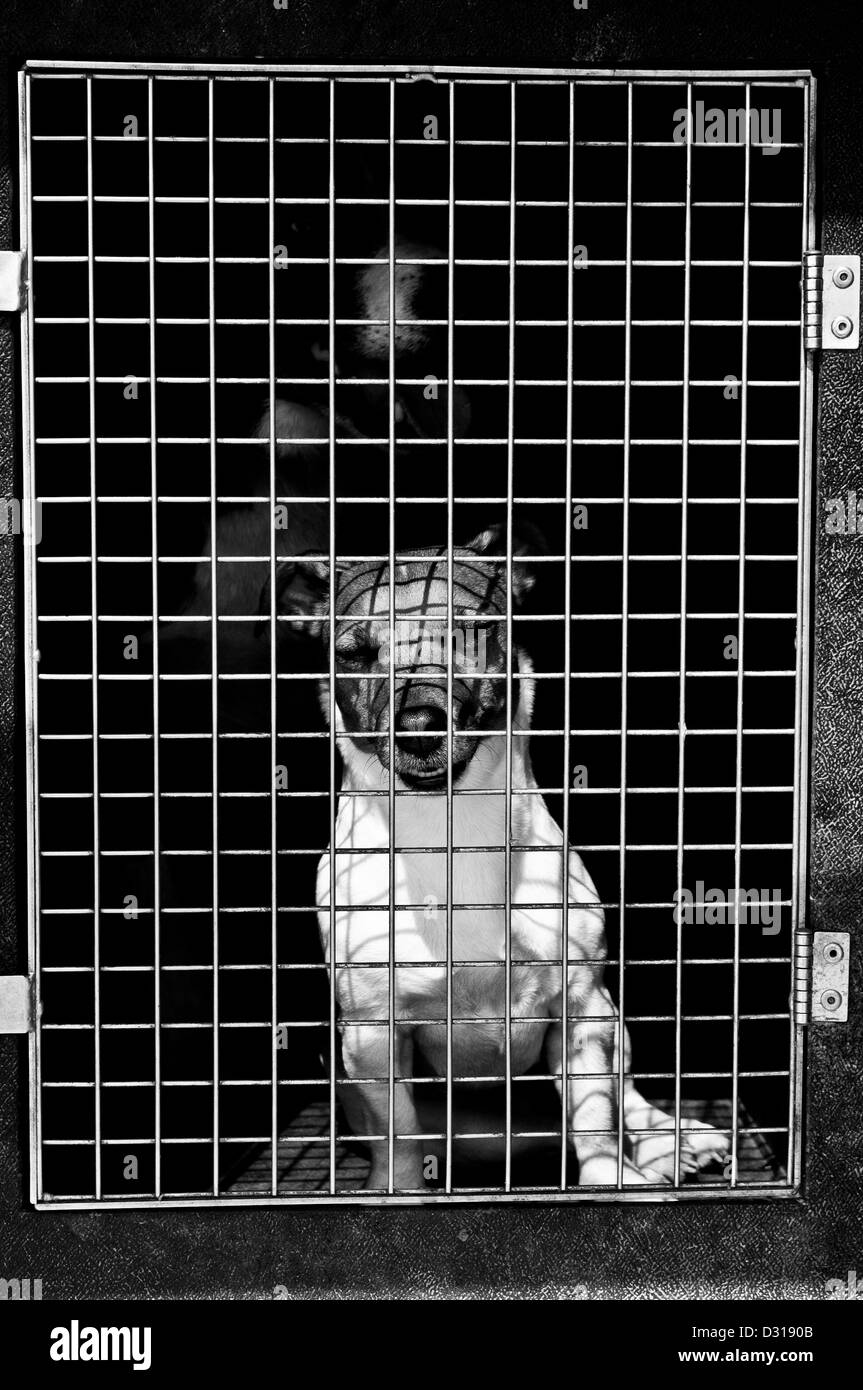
(301, 342)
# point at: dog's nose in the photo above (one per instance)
(415, 727)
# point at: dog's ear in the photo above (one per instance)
(527, 539)
(411, 286)
(293, 422)
(302, 592)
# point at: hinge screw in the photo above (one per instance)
(830, 999)
(842, 327)
(843, 276)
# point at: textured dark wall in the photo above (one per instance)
(780, 1250)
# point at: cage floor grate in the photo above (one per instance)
(304, 1165)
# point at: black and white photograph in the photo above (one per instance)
(431, 849)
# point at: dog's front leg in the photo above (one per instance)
(365, 1054)
(652, 1133)
(592, 1088)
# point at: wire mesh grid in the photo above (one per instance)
(320, 367)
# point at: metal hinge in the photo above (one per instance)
(11, 281)
(821, 977)
(16, 1004)
(831, 301)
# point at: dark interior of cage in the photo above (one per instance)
(703, 1000)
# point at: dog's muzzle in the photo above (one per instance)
(420, 734)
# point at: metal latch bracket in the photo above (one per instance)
(11, 281)
(831, 301)
(16, 1004)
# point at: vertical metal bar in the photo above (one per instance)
(801, 684)
(681, 694)
(332, 623)
(274, 746)
(510, 655)
(392, 640)
(94, 647)
(741, 591)
(624, 643)
(30, 647)
(214, 627)
(154, 579)
(450, 623)
(567, 663)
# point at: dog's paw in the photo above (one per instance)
(700, 1145)
(407, 1177)
(600, 1170)
(704, 1144)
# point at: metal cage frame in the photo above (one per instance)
(393, 75)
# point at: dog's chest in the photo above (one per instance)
(423, 884)
(423, 888)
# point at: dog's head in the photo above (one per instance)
(415, 663)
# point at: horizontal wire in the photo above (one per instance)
(126, 321)
(631, 847)
(585, 732)
(48, 499)
(408, 441)
(400, 381)
(375, 559)
(580, 964)
(427, 679)
(298, 200)
(534, 261)
(544, 1019)
(439, 849)
(420, 141)
(301, 1139)
(431, 622)
(197, 911)
(304, 1139)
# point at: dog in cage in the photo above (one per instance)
(424, 736)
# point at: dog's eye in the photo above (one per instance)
(348, 656)
(356, 654)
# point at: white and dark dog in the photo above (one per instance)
(367, 665)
